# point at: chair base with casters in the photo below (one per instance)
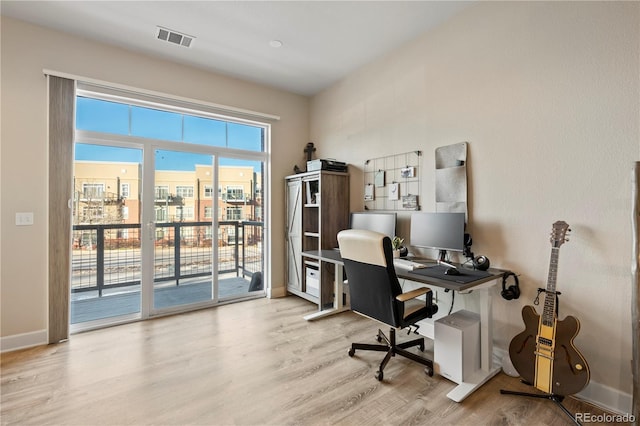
(392, 349)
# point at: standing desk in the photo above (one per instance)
(329, 256)
(480, 285)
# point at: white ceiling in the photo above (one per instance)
(322, 40)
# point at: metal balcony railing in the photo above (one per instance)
(108, 256)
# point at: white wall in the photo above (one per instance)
(27, 50)
(547, 94)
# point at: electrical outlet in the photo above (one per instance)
(24, 219)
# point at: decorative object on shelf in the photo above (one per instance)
(309, 150)
(398, 169)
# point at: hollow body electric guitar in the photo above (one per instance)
(544, 354)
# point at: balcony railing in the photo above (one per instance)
(108, 256)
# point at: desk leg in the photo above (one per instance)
(486, 330)
(487, 370)
(338, 305)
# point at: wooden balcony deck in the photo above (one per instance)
(89, 307)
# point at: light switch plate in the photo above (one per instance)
(24, 218)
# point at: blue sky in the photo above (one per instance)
(112, 117)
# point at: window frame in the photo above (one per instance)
(182, 106)
(181, 188)
(87, 185)
(125, 193)
(231, 115)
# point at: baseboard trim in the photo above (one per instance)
(602, 396)
(606, 397)
(275, 292)
(23, 341)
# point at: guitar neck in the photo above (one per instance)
(549, 311)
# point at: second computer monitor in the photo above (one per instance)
(440, 231)
(384, 223)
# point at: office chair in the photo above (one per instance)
(376, 293)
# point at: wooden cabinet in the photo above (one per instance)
(317, 209)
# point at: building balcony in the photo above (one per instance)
(107, 265)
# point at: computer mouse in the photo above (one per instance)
(452, 271)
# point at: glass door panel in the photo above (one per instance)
(106, 257)
(241, 228)
(184, 252)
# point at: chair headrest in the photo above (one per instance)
(362, 246)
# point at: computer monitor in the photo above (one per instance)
(385, 223)
(440, 231)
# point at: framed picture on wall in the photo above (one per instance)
(369, 192)
(394, 191)
(408, 172)
(410, 202)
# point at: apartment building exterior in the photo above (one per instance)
(107, 193)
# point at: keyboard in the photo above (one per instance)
(409, 265)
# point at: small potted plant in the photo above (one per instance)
(396, 244)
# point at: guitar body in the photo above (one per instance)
(556, 369)
(522, 349)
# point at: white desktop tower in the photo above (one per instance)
(456, 348)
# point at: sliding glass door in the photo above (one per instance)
(208, 229)
(240, 206)
(184, 249)
(106, 243)
(169, 210)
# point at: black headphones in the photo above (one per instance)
(513, 292)
(481, 263)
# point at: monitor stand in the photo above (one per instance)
(442, 255)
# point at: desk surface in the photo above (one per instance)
(436, 276)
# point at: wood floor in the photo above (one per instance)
(250, 363)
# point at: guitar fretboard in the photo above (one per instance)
(549, 311)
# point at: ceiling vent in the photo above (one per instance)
(174, 37)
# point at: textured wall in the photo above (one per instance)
(547, 95)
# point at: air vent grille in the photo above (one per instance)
(174, 37)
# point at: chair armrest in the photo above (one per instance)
(412, 294)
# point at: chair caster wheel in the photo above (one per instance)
(351, 352)
(378, 338)
(428, 371)
(422, 348)
(379, 375)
